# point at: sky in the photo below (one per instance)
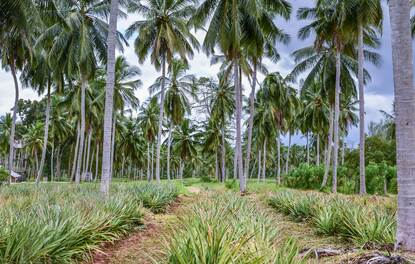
(378, 93)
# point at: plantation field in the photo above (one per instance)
(209, 222)
(61, 223)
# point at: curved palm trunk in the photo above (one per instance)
(45, 136)
(168, 151)
(82, 132)
(362, 189)
(109, 99)
(287, 160)
(251, 121)
(328, 149)
(405, 121)
(160, 125)
(336, 123)
(13, 128)
(242, 182)
(264, 160)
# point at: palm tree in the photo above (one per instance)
(184, 143)
(180, 89)
(257, 47)
(405, 120)
(163, 33)
(109, 97)
(368, 14)
(80, 31)
(148, 119)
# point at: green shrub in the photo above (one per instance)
(231, 184)
(4, 175)
(207, 179)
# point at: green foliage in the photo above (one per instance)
(207, 179)
(227, 229)
(4, 175)
(365, 223)
(60, 223)
(231, 184)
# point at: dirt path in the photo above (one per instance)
(145, 245)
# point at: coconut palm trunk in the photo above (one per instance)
(405, 121)
(148, 162)
(308, 150)
(251, 120)
(13, 128)
(328, 149)
(242, 182)
(75, 151)
(318, 150)
(223, 156)
(235, 163)
(45, 136)
(81, 132)
(264, 160)
(287, 160)
(160, 121)
(259, 164)
(168, 150)
(336, 122)
(109, 99)
(362, 189)
(278, 160)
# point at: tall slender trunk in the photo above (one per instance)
(308, 150)
(112, 147)
(318, 150)
(279, 160)
(362, 189)
(78, 136)
(123, 165)
(336, 122)
(97, 163)
(15, 109)
(287, 160)
(109, 99)
(58, 162)
(152, 161)
(88, 152)
(251, 120)
(242, 181)
(223, 156)
(235, 164)
(45, 135)
(217, 167)
(343, 151)
(160, 121)
(402, 55)
(168, 150)
(148, 163)
(259, 163)
(328, 148)
(264, 160)
(82, 132)
(36, 160)
(51, 160)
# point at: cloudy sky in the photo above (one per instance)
(379, 93)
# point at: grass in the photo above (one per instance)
(227, 228)
(60, 223)
(366, 222)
